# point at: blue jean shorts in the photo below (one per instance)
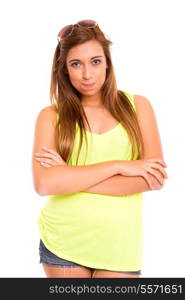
(47, 257)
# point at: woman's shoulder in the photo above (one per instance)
(48, 113)
(51, 109)
(135, 97)
(137, 100)
(144, 107)
(141, 100)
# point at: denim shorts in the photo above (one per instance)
(47, 257)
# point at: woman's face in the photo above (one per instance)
(86, 64)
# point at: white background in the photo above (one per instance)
(148, 56)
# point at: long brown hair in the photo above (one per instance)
(67, 99)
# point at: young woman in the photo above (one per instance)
(103, 151)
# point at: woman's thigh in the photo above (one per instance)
(107, 274)
(55, 266)
(66, 271)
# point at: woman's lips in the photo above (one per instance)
(88, 85)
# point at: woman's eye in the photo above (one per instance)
(97, 60)
(76, 63)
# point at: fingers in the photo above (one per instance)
(153, 183)
(53, 161)
(45, 161)
(52, 152)
(46, 155)
(157, 175)
(161, 169)
(45, 165)
(159, 161)
(148, 180)
(52, 156)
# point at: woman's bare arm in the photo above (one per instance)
(98, 177)
(119, 185)
(63, 179)
(71, 179)
(123, 185)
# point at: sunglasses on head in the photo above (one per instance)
(67, 30)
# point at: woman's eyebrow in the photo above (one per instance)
(79, 59)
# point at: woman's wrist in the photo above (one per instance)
(116, 166)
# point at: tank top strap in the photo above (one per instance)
(57, 116)
(131, 98)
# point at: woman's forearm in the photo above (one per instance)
(62, 179)
(119, 185)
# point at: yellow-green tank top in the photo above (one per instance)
(96, 230)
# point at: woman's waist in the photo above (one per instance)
(86, 207)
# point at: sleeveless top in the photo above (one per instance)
(96, 230)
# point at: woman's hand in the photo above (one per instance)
(154, 166)
(50, 158)
(154, 183)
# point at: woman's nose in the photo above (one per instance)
(86, 73)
